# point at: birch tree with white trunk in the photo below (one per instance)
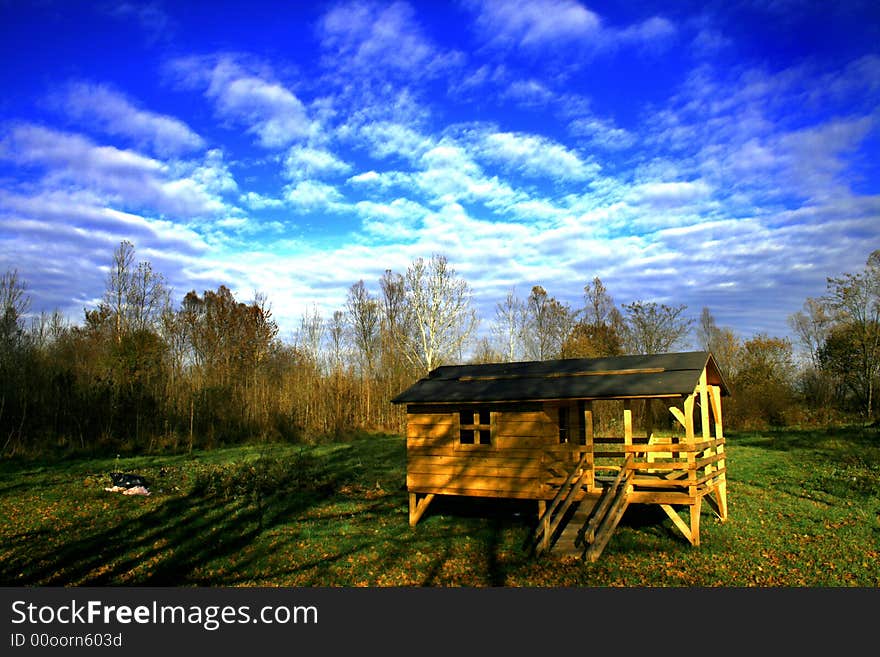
(438, 313)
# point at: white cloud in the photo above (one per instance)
(304, 162)
(386, 139)
(271, 111)
(366, 178)
(541, 25)
(449, 175)
(375, 38)
(127, 177)
(214, 174)
(312, 194)
(114, 114)
(257, 201)
(381, 180)
(396, 221)
(82, 213)
(649, 32)
(602, 133)
(524, 23)
(816, 156)
(535, 156)
(62, 240)
(235, 223)
(529, 93)
(671, 194)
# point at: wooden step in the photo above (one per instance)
(608, 524)
(565, 545)
(590, 526)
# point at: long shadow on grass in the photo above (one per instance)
(485, 520)
(220, 534)
(173, 542)
(160, 548)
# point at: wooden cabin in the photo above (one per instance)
(531, 430)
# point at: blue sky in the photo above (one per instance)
(720, 154)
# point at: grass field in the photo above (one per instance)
(804, 511)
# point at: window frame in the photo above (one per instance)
(563, 412)
(478, 429)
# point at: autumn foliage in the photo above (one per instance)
(138, 372)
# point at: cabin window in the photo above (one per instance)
(564, 424)
(475, 427)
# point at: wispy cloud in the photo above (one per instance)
(547, 142)
(257, 201)
(517, 23)
(377, 39)
(396, 221)
(388, 139)
(670, 194)
(535, 156)
(132, 179)
(151, 17)
(100, 107)
(312, 194)
(553, 25)
(303, 162)
(602, 133)
(271, 111)
(63, 239)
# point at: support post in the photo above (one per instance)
(544, 518)
(690, 532)
(695, 521)
(721, 486)
(588, 440)
(704, 406)
(418, 506)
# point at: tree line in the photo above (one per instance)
(140, 372)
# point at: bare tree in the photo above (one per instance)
(310, 334)
(812, 326)
(509, 325)
(854, 299)
(653, 328)
(149, 298)
(599, 305)
(119, 286)
(135, 295)
(707, 329)
(438, 312)
(393, 310)
(484, 352)
(549, 323)
(721, 342)
(599, 331)
(336, 335)
(14, 305)
(364, 319)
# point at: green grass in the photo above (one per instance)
(804, 510)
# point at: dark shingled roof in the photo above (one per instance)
(570, 378)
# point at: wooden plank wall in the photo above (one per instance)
(513, 466)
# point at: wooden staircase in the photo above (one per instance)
(602, 521)
(583, 530)
(557, 512)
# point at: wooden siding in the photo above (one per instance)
(519, 463)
